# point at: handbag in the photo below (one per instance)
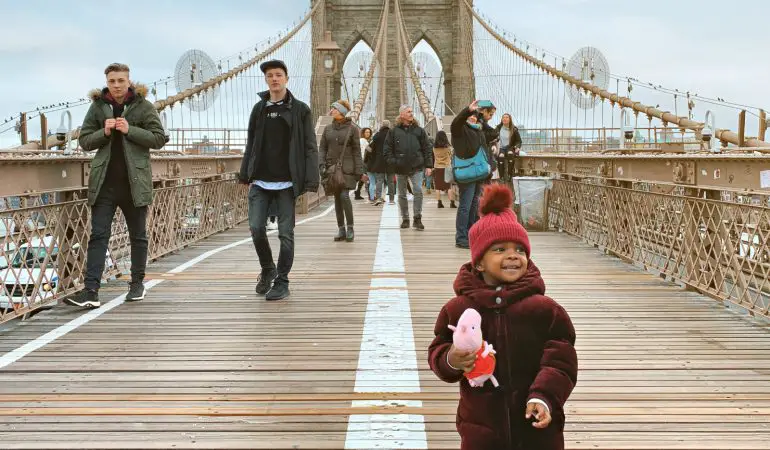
(472, 169)
(334, 182)
(448, 176)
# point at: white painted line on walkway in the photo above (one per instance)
(387, 403)
(387, 361)
(29, 347)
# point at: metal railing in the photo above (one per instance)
(717, 247)
(207, 141)
(44, 247)
(586, 140)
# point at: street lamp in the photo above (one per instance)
(329, 51)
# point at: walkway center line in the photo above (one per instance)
(56, 333)
(387, 361)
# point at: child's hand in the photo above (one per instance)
(539, 412)
(464, 360)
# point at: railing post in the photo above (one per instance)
(689, 256)
(72, 237)
(43, 132)
(23, 128)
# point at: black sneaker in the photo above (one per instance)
(418, 224)
(341, 233)
(350, 235)
(405, 223)
(135, 292)
(279, 291)
(265, 282)
(84, 299)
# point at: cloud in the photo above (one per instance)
(677, 44)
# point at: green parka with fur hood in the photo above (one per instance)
(145, 131)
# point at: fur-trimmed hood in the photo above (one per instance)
(140, 90)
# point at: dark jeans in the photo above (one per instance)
(467, 210)
(259, 203)
(382, 180)
(102, 213)
(402, 182)
(343, 208)
(506, 164)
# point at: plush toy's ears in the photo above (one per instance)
(452, 327)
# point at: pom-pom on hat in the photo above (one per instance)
(498, 222)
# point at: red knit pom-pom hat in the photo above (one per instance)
(498, 222)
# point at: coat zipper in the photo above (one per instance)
(125, 154)
(501, 327)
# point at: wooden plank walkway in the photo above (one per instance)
(202, 363)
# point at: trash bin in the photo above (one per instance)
(531, 201)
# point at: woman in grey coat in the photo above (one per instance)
(342, 135)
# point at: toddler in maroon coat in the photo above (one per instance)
(532, 334)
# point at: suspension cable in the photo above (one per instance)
(665, 117)
(424, 103)
(363, 94)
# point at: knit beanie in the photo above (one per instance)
(498, 222)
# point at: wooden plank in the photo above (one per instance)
(203, 362)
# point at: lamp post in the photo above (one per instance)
(329, 52)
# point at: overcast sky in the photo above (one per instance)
(52, 51)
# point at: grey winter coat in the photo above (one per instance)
(332, 144)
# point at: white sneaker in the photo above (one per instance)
(272, 226)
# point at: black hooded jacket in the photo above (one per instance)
(375, 161)
(467, 141)
(303, 148)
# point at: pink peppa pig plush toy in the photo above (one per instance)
(467, 337)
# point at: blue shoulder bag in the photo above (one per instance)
(471, 170)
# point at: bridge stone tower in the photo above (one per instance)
(446, 25)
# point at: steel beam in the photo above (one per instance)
(739, 173)
(25, 174)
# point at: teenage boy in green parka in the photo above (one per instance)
(121, 126)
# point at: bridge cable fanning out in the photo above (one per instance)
(723, 135)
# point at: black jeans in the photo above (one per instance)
(259, 203)
(343, 208)
(102, 213)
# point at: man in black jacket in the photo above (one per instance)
(410, 157)
(280, 163)
(379, 167)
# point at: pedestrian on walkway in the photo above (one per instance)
(535, 362)
(510, 143)
(442, 162)
(122, 126)
(280, 164)
(410, 157)
(379, 167)
(366, 151)
(340, 142)
(468, 139)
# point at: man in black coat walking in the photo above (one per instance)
(280, 164)
(377, 164)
